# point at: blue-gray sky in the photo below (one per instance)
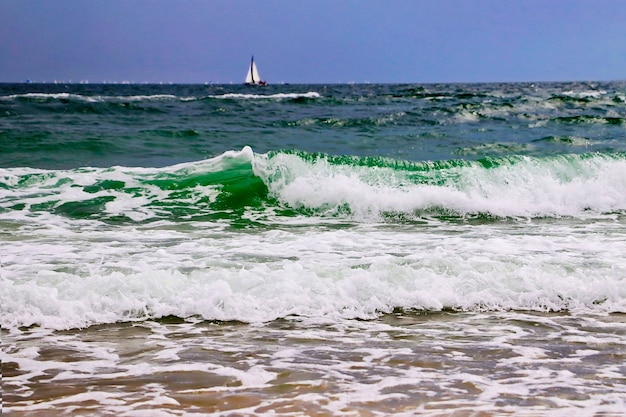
(312, 41)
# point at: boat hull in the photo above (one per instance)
(259, 84)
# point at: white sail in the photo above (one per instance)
(253, 76)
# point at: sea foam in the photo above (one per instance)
(506, 187)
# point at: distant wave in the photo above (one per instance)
(310, 95)
(86, 98)
(46, 97)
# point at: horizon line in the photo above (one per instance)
(208, 83)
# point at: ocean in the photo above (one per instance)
(313, 250)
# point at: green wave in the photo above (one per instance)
(240, 186)
(235, 184)
(425, 172)
(490, 187)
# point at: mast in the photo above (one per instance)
(252, 69)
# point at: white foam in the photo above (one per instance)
(100, 276)
(585, 93)
(528, 188)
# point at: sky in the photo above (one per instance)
(312, 41)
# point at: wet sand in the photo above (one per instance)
(408, 363)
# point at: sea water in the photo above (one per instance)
(180, 250)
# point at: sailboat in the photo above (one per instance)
(253, 77)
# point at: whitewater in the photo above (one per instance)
(313, 250)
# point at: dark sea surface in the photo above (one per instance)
(329, 250)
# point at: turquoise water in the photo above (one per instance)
(437, 247)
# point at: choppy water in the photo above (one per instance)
(313, 250)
